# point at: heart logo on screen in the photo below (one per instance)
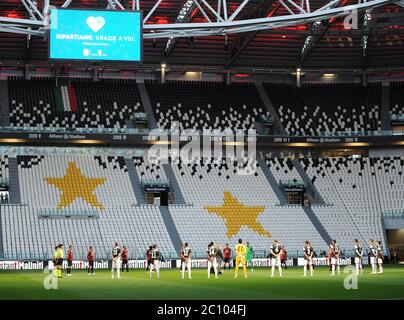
(95, 23)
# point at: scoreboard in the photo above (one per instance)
(95, 35)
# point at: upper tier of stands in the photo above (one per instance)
(206, 105)
(314, 109)
(82, 104)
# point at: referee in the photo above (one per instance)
(59, 256)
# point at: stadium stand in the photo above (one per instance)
(357, 193)
(396, 98)
(82, 104)
(205, 105)
(206, 185)
(27, 235)
(4, 172)
(389, 173)
(149, 171)
(35, 173)
(316, 109)
(283, 169)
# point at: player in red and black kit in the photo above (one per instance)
(227, 256)
(149, 257)
(330, 253)
(69, 260)
(284, 256)
(124, 257)
(90, 259)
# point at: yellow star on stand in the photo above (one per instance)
(237, 215)
(74, 185)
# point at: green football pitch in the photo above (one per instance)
(259, 285)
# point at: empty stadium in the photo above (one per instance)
(295, 112)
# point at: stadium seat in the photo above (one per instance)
(318, 109)
(82, 104)
(206, 105)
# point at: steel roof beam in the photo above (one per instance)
(244, 39)
(221, 27)
(183, 16)
(317, 30)
(66, 3)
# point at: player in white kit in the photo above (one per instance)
(335, 255)
(308, 253)
(186, 254)
(373, 256)
(358, 257)
(212, 261)
(380, 256)
(116, 260)
(275, 253)
(155, 262)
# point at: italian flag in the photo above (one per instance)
(66, 99)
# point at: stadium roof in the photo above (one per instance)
(378, 40)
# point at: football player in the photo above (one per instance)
(330, 250)
(54, 257)
(241, 251)
(380, 256)
(59, 256)
(275, 253)
(124, 256)
(227, 256)
(116, 261)
(308, 253)
(336, 252)
(249, 255)
(69, 260)
(212, 260)
(284, 256)
(155, 261)
(90, 260)
(373, 256)
(358, 257)
(186, 254)
(219, 258)
(148, 258)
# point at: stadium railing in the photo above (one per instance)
(67, 213)
(75, 130)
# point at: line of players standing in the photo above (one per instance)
(119, 260)
(216, 256)
(334, 255)
(278, 255)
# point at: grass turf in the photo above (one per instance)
(137, 285)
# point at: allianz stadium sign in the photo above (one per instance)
(140, 139)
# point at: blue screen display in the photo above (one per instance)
(95, 35)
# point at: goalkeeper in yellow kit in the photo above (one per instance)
(241, 251)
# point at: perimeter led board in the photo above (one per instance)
(99, 35)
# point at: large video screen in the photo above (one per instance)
(95, 35)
